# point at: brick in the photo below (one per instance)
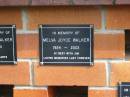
(62, 2)
(28, 46)
(71, 2)
(13, 2)
(126, 2)
(92, 2)
(7, 16)
(41, 2)
(70, 76)
(106, 46)
(120, 72)
(117, 17)
(30, 93)
(59, 15)
(15, 74)
(102, 93)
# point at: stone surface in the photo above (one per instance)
(120, 2)
(13, 2)
(71, 2)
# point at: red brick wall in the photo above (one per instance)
(31, 79)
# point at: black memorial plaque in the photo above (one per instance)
(124, 89)
(8, 44)
(66, 44)
(6, 90)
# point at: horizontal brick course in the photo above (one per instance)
(64, 15)
(71, 2)
(44, 93)
(70, 76)
(61, 2)
(53, 2)
(126, 2)
(13, 2)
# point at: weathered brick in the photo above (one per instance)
(62, 2)
(13, 2)
(102, 93)
(11, 15)
(70, 76)
(120, 72)
(92, 2)
(126, 2)
(41, 2)
(71, 2)
(117, 17)
(30, 93)
(27, 46)
(64, 15)
(15, 74)
(105, 45)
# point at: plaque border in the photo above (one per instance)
(120, 87)
(91, 26)
(13, 28)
